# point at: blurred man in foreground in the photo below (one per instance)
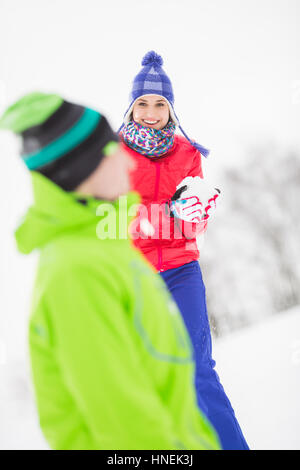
(111, 360)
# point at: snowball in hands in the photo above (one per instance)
(197, 202)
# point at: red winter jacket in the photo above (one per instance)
(173, 242)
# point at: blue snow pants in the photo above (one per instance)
(186, 285)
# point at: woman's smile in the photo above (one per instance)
(150, 123)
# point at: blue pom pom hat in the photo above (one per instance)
(152, 80)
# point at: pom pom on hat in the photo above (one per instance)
(151, 58)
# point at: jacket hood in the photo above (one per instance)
(56, 211)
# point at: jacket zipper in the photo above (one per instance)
(158, 246)
(157, 168)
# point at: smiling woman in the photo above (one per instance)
(164, 162)
(151, 111)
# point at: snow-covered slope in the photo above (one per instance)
(259, 368)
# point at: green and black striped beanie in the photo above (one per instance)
(62, 140)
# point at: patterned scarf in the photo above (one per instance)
(149, 141)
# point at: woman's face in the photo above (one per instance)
(151, 111)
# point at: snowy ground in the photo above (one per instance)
(259, 368)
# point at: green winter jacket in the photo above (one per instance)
(111, 360)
